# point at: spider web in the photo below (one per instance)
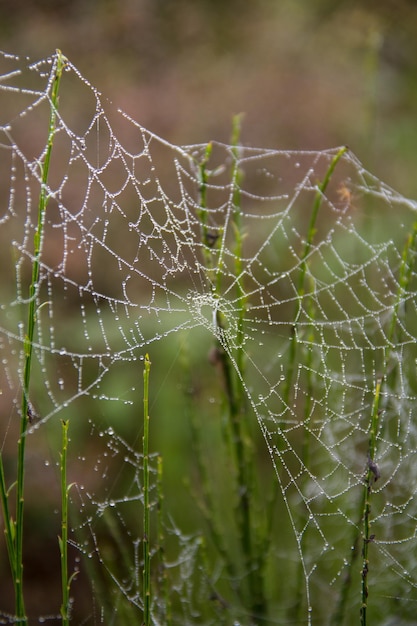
(125, 268)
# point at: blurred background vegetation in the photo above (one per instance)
(306, 75)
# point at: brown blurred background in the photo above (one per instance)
(307, 75)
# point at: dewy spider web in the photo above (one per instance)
(124, 267)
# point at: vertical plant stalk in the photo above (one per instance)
(206, 236)
(14, 529)
(232, 365)
(239, 237)
(146, 502)
(295, 611)
(250, 539)
(371, 476)
(204, 496)
(403, 281)
(372, 472)
(165, 612)
(305, 455)
(321, 190)
(63, 539)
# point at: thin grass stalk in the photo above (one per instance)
(321, 190)
(206, 234)
(232, 376)
(232, 367)
(251, 541)
(305, 455)
(295, 611)
(63, 539)
(372, 475)
(237, 409)
(372, 469)
(164, 606)
(205, 501)
(403, 282)
(210, 244)
(204, 497)
(146, 500)
(14, 529)
(9, 527)
(239, 235)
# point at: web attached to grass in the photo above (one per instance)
(146, 243)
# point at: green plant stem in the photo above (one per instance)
(63, 539)
(239, 236)
(364, 506)
(146, 503)
(204, 495)
(321, 189)
(372, 475)
(404, 279)
(165, 609)
(306, 460)
(238, 413)
(233, 374)
(14, 529)
(232, 364)
(203, 215)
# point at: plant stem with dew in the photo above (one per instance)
(14, 529)
(146, 503)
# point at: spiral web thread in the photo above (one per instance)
(123, 268)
